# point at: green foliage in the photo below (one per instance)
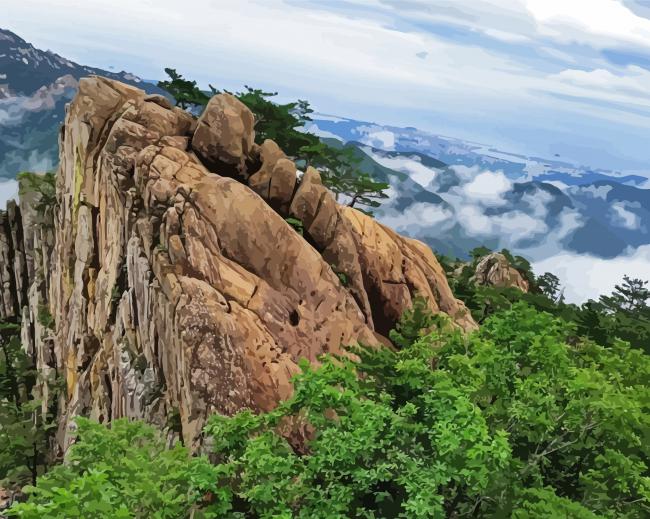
(186, 93)
(515, 420)
(549, 285)
(523, 266)
(118, 472)
(296, 224)
(45, 317)
(448, 264)
(23, 428)
(630, 297)
(623, 315)
(478, 252)
(43, 185)
(282, 123)
(415, 323)
(340, 171)
(512, 421)
(116, 293)
(361, 190)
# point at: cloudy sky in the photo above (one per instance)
(539, 77)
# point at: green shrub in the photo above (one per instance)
(44, 317)
(24, 430)
(511, 421)
(518, 420)
(44, 185)
(120, 471)
(296, 224)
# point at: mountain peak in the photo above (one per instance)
(186, 268)
(25, 69)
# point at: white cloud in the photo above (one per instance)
(594, 191)
(313, 128)
(587, 277)
(413, 167)
(417, 218)
(560, 185)
(629, 85)
(592, 22)
(383, 139)
(360, 59)
(625, 218)
(488, 187)
(473, 220)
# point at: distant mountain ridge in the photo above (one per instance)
(457, 195)
(453, 151)
(35, 86)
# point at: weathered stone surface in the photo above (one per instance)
(494, 270)
(396, 269)
(178, 289)
(224, 135)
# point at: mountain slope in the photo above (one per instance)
(35, 86)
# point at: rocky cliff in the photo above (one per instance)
(165, 280)
(495, 270)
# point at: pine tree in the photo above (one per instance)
(549, 285)
(631, 296)
(186, 93)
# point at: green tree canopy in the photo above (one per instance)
(549, 285)
(121, 471)
(511, 421)
(517, 419)
(23, 428)
(186, 93)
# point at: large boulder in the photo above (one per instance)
(225, 135)
(494, 270)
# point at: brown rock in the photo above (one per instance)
(176, 288)
(494, 270)
(276, 179)
(225, 135)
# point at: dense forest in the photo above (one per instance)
(541, 412)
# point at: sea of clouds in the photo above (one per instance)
(523, 229)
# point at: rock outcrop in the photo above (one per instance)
(174, 283)
(495, 270)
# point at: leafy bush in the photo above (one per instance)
(296, 224)
(185, 92)
(43, 185)
(518, 419)
(120, 471)
(624, 315)
(44, 317)
(512, 421)
(24, 430)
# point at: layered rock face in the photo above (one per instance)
(175, 283)
(495, 270)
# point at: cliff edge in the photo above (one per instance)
(165, 280)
